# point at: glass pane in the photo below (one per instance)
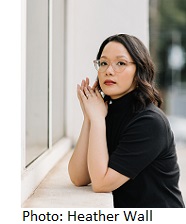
(36, 79)
(57, 70)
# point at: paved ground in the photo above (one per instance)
(181, 151)
(178, 125)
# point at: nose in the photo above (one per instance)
(109, 70)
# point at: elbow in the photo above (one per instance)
(74, 177)
(100, 189)
(77, 180)
(97, 190)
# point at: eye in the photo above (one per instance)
(121, 63)
(103, 63)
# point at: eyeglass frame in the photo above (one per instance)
(96, 62)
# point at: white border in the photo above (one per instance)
(108, 215)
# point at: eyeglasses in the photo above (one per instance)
(118, 66)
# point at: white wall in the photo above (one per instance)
(89, 22)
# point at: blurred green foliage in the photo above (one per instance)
(167, 27)
(172, 14)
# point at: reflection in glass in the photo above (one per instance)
(57, 71)
(36, 79)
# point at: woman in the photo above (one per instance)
(126, 145)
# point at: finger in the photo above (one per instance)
(95, 85)
(82, 84)
(91, 90)
(86, 82)
(87, 92)
(82, 95)
(98, 94)
(78, 93)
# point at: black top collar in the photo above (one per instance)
(123, 103)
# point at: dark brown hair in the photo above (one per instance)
(145, 72)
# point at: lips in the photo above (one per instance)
(109, 82)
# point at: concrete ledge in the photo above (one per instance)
(34, 174)
(57, 191)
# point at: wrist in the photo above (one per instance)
(86, 120)
(97, 120)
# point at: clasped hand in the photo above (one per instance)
(91, 101)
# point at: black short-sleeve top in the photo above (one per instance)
(141, 147)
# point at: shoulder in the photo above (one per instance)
(149, 127)
(151, 117)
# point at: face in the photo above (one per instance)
(117, 84)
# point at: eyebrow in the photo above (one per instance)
(119, 56)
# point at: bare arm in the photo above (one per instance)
(104, 179)
(78, 168)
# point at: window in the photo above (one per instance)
(44, 76)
